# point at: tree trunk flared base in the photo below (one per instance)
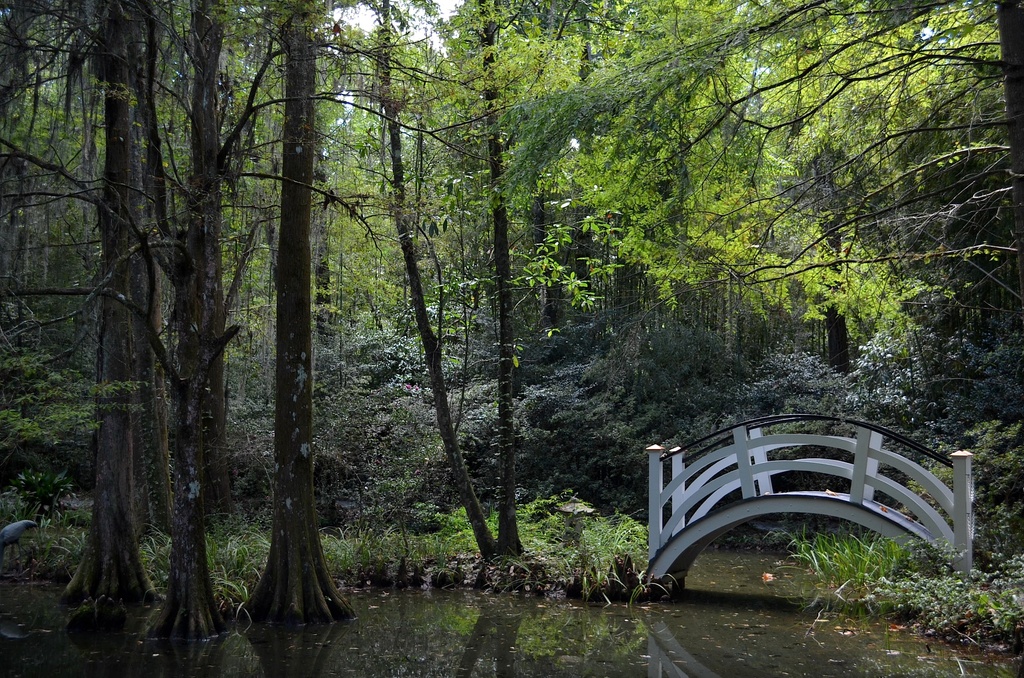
(115, 578)
(299, 595)
(102, 614)
(188, 617)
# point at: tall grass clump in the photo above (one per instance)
(52, 551)
(849, 564)
(236, 554)
(603, 540)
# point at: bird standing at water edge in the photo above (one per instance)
(11, 534)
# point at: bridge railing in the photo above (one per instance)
(687, 484)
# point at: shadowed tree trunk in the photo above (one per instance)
(112, 565)
(152, 472)
(433, 351)
(296, 587)
(218, 473)
(155, 409)
(1011, 40)
(190, 611)
(508, 529)
(837, 333)
(547, 294)
(838, 340)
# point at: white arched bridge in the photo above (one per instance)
(725, 479)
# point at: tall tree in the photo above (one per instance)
(112, 565)
(508, 528)
(433, 350)
(296, 586)
(1011, 40)
(190, 611)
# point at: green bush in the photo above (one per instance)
(42, 490)
(46, 415)
(981, 608)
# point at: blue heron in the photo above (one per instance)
(11, 534)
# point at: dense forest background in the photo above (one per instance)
(611, 224)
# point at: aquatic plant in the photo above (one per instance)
(849, 565)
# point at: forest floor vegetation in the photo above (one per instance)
(914, 587)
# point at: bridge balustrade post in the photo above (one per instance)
(655, 480)
(760, 456)
(677, 496)
(865, 466)
(963, 511)
(740, 440)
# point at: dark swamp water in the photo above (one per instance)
(731, 624)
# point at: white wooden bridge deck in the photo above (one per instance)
(693, 490)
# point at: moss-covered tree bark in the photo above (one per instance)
(190, 611)
(112, 566)
(296, 587)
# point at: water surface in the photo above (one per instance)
(735, 621)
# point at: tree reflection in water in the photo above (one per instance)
(311, 650)
(730, 623)
(493, 637)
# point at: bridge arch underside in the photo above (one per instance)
(676, 557)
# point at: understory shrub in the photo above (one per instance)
(981, 608)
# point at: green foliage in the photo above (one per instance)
(848, 562)
(45, 412)
(998, 468)
(996, 362)
(796, 382)
(155, 551)
(13, 507)
(42, 490)
(236, 555)
(917, 584)
(566, 540)
(983, 608)
(617, 396)
(601, 541)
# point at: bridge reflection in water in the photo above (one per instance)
(668, 657)
(693, 490)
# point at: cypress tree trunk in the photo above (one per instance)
(157, 457)
(296, 587)
(190, 611)
(112, 565)
(218, 475)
